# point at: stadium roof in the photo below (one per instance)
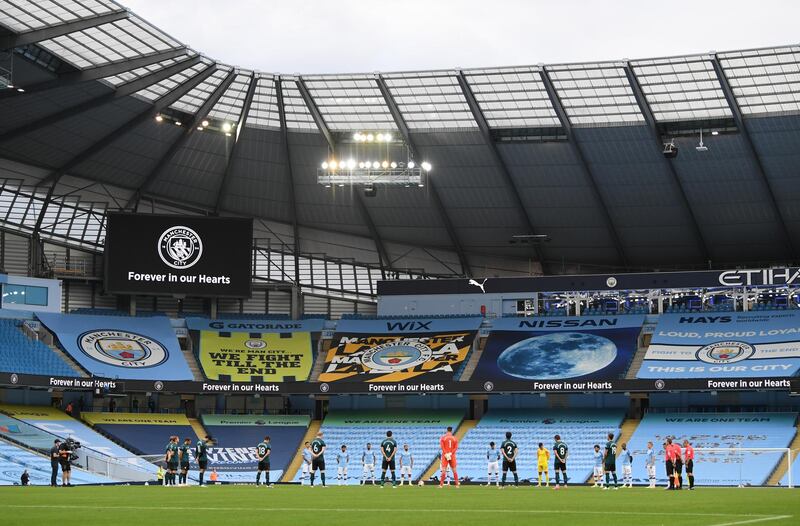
(570, 151)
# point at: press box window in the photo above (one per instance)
(24, 295)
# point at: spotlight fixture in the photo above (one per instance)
(159, 118)
(370, 137)
(393, 165)
(715, 133)
(332, 164)
(670, 149)
(20, 90)
(357, 137)
(200, 128)
(385, 164)
(387, 137)
(226, 127)
(426, 166)
(178, 123)
(351, 164)
(412, 164)
(204, 123)
(701, 147)
(325, 165)
(376, 165)
(379, 137)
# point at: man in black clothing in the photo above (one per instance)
(55, 456)
(24, 479)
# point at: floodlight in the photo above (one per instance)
(426, 166)
(379, 137)
(376, 165)
(159, 118)
(393, 165)
(356, 136)
(351, 163)
(325, 165)
(204, 123)
(370, 137)
(226, 127)
(411, 164)
(387, 137)
(385, 164)
(178, 123)
(333, 164)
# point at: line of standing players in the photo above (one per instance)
(314, 460)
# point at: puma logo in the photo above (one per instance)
(479, 285)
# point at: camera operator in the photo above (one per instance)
(55, 457)
(66, 456)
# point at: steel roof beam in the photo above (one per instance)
(99, 72)
(644, 106)
(751, 149)
(188, 130)
(290, 171)
(122, 91)
(383, 256)
(108, 139)
(400, 122)
(555, 100)
(248, 101)
(486, 132)
(46, 33)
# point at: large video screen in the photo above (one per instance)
(170, 254)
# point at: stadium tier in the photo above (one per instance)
(233, 454)
(22, 355)
(142, 433)
(14, 460)
(421, 430)
(579, 429)
(57, 423)
(717, 430)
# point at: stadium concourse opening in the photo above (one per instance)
(468, 287)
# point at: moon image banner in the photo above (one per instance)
(566, 350)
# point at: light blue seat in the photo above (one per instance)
(14, 460)
(579, 429)
(717, 430)
(22, 355)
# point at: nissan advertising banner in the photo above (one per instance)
(170, 254)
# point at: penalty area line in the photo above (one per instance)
(750, 517)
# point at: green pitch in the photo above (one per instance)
(297, 506)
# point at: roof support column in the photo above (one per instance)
(383, 256)
(555, 100)
(290, 171)
(404, 131)
(751, 149)
(651, 123)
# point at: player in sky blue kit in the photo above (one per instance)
(493, 465)
(406, 464)
(627, 460)
(342, 460)
(368, 459)
(598, 466)
(306, 471)
(650, 464)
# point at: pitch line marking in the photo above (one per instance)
(753, 521)
(757, 517)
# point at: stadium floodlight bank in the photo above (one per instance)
(740, 458)
(401, 176)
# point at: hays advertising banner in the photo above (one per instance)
(269, 357)
(558, 348)
(120, 347)
(730, 345)
(172, 254)
(392, 351)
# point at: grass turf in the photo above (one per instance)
(296, 506)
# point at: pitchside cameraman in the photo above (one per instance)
(55, 457)
(66, 456)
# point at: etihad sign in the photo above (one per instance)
(767, 276)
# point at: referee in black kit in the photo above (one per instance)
(55, 457)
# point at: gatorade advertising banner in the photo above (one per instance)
(559, 348)
(120, 346)
(724, 345)
(404, 350)
(139, 419)
(245, 357)
(254, 325)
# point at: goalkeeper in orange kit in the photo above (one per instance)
(449, 445)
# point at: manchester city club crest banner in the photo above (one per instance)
(714, 345)
(559, 348)
(404, 350)
(120, 347)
